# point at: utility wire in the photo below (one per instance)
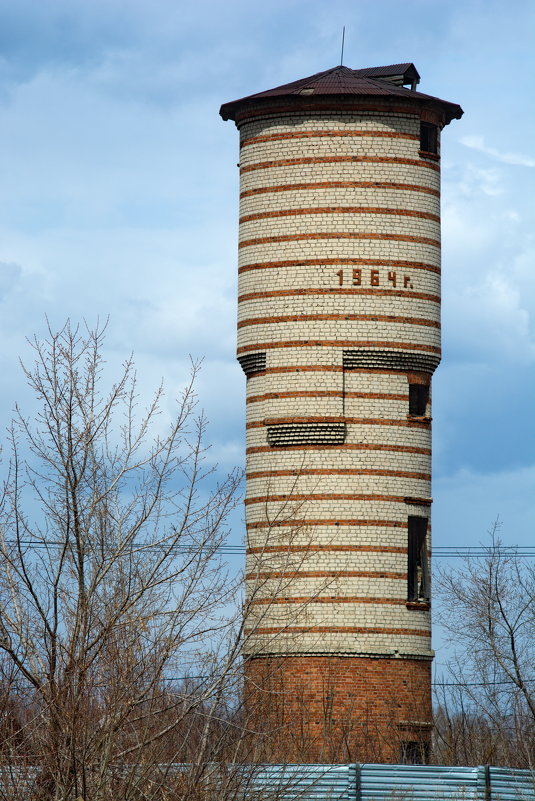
(434, 683)
(475, 683)
(440, 552)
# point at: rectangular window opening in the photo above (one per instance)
(418, 398)
(428, 137)
(414, 753)
(417, 569)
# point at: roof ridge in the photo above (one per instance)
(310, 78)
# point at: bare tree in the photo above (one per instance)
(487, 706)
(112, 588)
(121, 627)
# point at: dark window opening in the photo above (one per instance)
(417, 569)
(414, 753)
(428, 137)
(418, 397)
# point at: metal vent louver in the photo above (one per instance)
(306, 434)
(390, 360)
(253, 363)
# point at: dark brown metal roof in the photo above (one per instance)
(345, 81)
(408, 71)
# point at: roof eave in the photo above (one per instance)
(229, 111)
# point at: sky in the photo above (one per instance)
(119, 198)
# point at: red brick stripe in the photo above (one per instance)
(335, 630)
(337, 343)
(265, 165)
(277, 574)
(336, 262)
(333, 522)
(338, 472)
(264, 215)
(252, 140)
(266, 240)
(278, 421)
(293, 293)
(327, 393)
(348, 599)
(418, 501)
(332, 548)
(424, 154)
(335, 368)
(260, 190)
(297, 318)
(347, 446)
(321, 368)
(411, 423)
(324, 496)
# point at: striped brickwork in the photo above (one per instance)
(338, 313)
(339, 250)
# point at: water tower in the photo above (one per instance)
(339, 336)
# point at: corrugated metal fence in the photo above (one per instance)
(392, 783)
(345, 782)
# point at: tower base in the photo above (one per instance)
(332, 709)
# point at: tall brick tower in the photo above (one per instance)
(339, 335)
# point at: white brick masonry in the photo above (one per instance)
(339, 251)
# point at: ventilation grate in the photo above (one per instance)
(253, 363)
(390, 360)
(306, 434)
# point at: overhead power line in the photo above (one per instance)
(434, 683)
(438, 552)
(476, 683)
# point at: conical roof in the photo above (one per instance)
(340, 80)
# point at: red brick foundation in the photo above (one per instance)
(339, 709)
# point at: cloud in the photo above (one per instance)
(474, 181)
(57, 34)
(467, 503)
(487, 281)
(478, 143)
(119, 190)
(489, 319)
(488, 253)
(483, 413)
(9, 276)
(156, 54)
